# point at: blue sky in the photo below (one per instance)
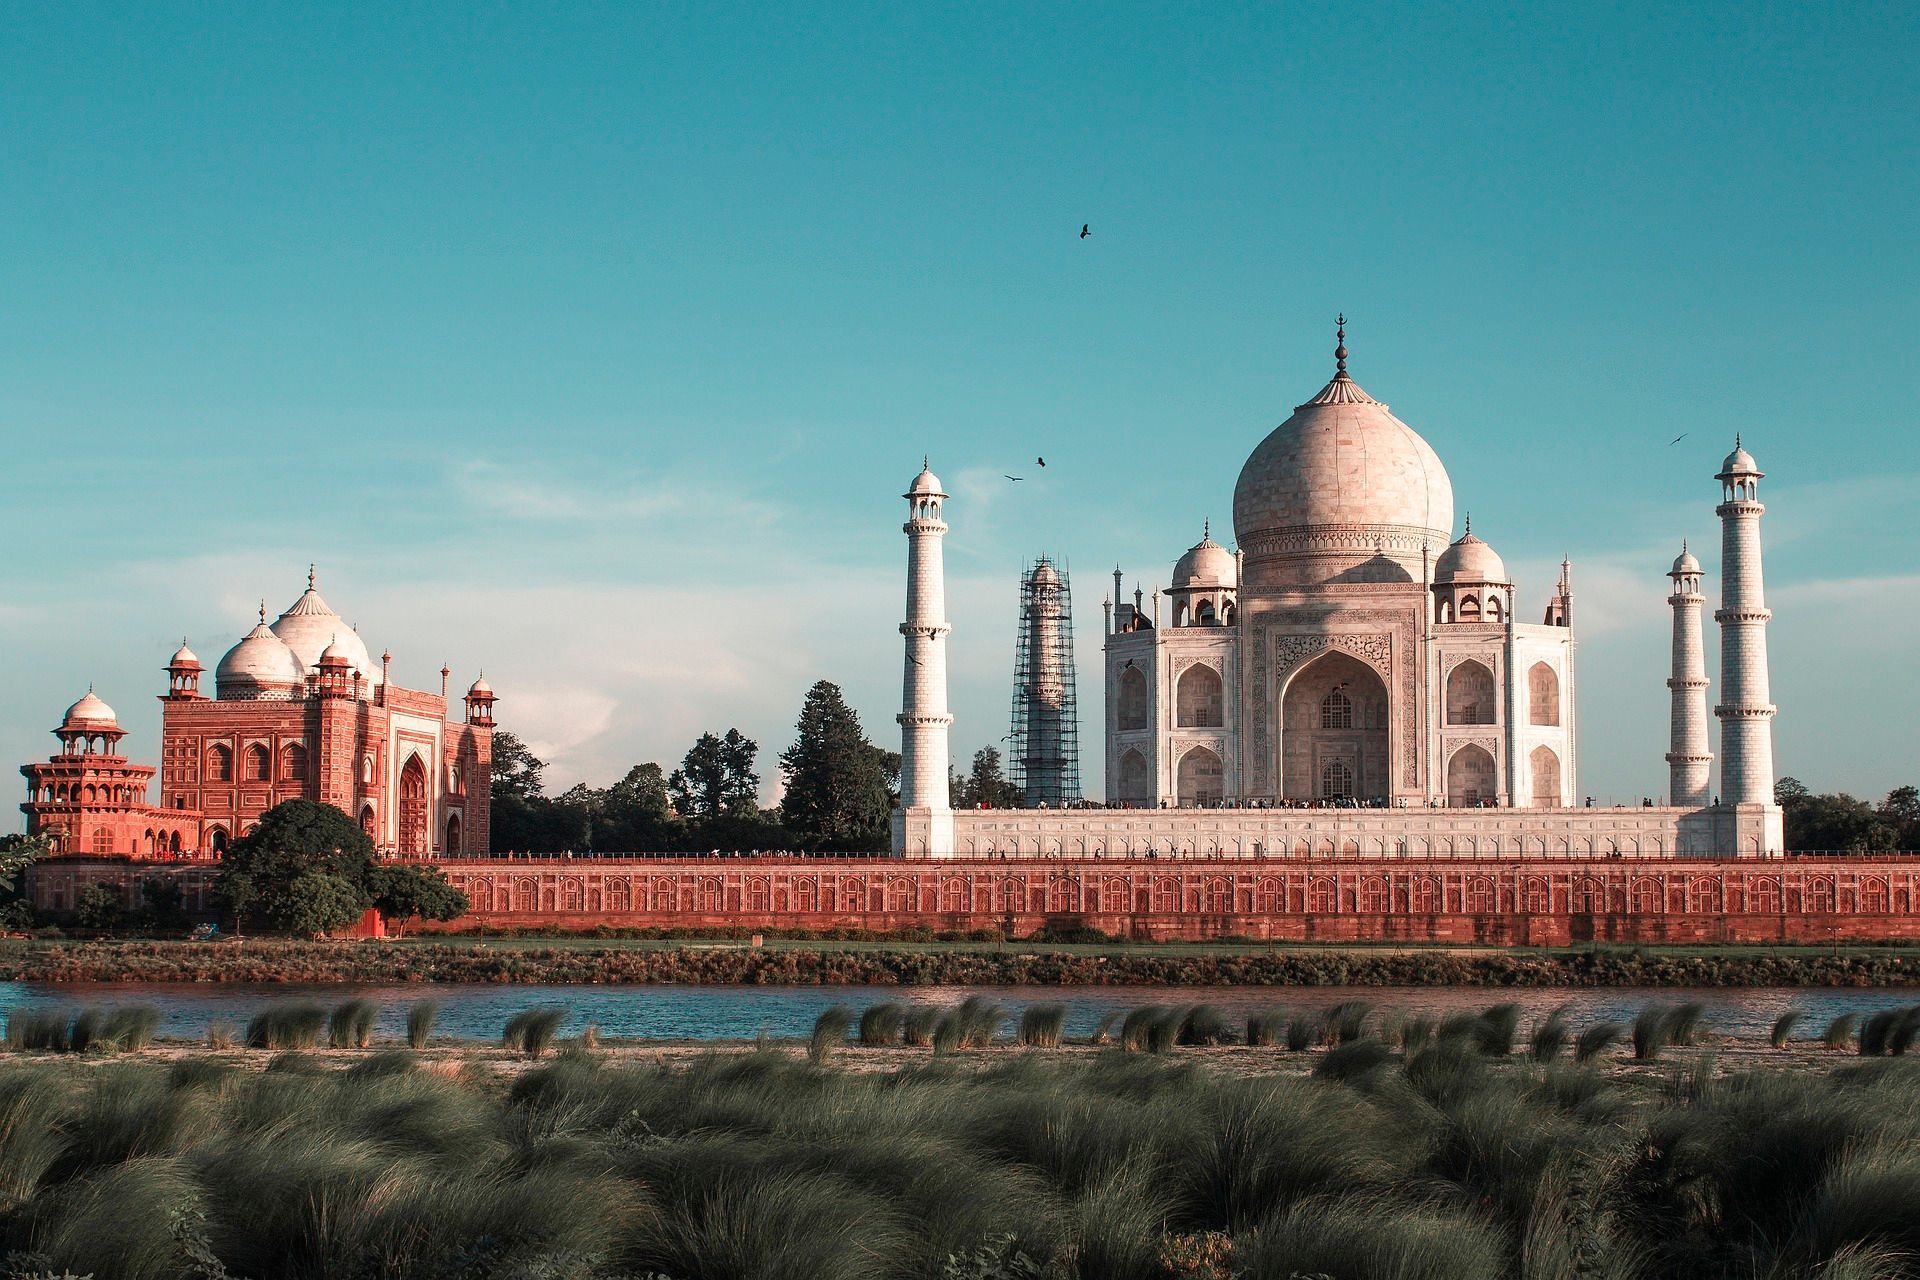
(593, 345)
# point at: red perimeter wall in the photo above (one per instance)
(1487, 901)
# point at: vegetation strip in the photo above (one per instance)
(283, 961)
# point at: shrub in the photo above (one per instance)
(1596, 1040)
(1839, 1032)
(1783, 1025)
(1652, 1029)
(420, 1015)
(290, 1024)
(1347, 1021)
(1265, 1030)
(919, 1024)
(350, 1026)
(130, 1027)
(1496, 1030)
(222, 1034)
(1301, 1033)
(532, 1031)
(1137, 1024)
(829, 1033)
(1352, 1060)
(1103, 1030)
(1549, 1036)
(1042, 1025)
(1203, 1024)
(86, 1032)
(881, 1024)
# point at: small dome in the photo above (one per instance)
(184, 657)
(1685, 563)
(480, 689)
(334, 656)
(90, 713)
(926, 484)
(1044, 574)
(261, 662)
(1739, 463)
(1470, 560)
(1206, 564)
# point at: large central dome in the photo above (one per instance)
(1343, 474)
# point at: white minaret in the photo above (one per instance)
(1689, 763)
(924, 826)
(1745, 711)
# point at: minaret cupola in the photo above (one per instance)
(1470, 583)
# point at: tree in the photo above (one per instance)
(635, 813)
(716, 778)
(304, 868)
(99, 907)
(17, 853)
(1789, 791)
(402, 891)
(516, 770)
(986, 786)
(836, 788)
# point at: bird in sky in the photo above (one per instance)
(1041, 461)
(1015, 478)
(1085, 231)
(1677, 439)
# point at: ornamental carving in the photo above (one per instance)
(1180, 666)
(1288, 651)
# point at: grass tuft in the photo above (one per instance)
(350, 1025)
(829, 1034)
(531, 1032)
(1043, 1026)
(287, 1024)
(881, 1025)
(420, 1016)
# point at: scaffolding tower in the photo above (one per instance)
(1045, 755)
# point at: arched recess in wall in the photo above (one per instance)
(1470, 694)
(413, 808)
(1334, 708)
(219, 764)
(1545, 767)
(366, 819)
(293, 762)
(257, 764)
(1201, 779)
(1131, 710)
(1543, 695)
(1199, 699)
(1470, 777)
(453, 833)
(1135, 785)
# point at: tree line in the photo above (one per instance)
(1838, 822)
(839, 791)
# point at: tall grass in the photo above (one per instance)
(1042, 1026)
(1450, 1164)
(1839, 1032)
(420, 1016)
(829, 1034)
(881, 1025)
(531, 1032)
(1549, 1036)
(1266, 1028)
(1782, 1033)
(350, 1025)
(287, 1024)
(42, 1030)
(1596, 1040)
(1347, 1021)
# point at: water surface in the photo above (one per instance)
(668, 1012)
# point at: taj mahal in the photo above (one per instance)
(1355, 680)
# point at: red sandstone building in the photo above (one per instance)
(299, 712)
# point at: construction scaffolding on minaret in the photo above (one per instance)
(1045, 754)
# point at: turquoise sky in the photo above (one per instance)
(593, 345)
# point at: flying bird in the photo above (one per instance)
(1677, 439)
(1085, 231)
(1041, 461)
(1014, 478)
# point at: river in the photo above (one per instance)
(660, 1012)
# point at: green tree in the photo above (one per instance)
(635, 813)
(316, 902)
(717, 778)
(303, 868)
(100, 907)
(17, 853)
(985, 785)
(405, 891)
(836, 789)
(516, 770)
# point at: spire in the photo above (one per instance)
(310, 577)
(1469, 524)
(263, 613)
(1206, 529)
(1340, 351)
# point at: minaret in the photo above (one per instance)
(1689, 763)
(925, 823)
(1746, 714)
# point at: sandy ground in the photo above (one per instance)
(1727, 1055)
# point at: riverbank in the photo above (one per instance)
(525, 961)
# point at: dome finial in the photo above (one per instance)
(263, 612)
(1340, 350)
(1469, 524)
(1206, 529)
(310, 577)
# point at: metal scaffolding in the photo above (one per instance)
(1045, 754)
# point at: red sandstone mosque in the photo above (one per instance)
(299, 711)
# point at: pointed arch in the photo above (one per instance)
(1334, 708)
(1543, 695)
(453, 833)
(1132, 708)
(256, 764)
(1544, 765)
(1470, 777)
(1201, 779)
(1199, 698)
(1470, 694)
(219, 763)
(293, 762)
(1135, 784)
(413, 808)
